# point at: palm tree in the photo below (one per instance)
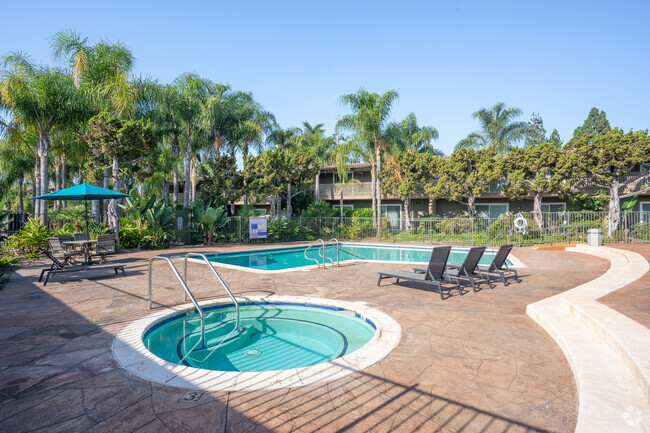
(370, 113)
(498, 130)
(410, 137)
(313, 139)
(193, 92)
(43, 97)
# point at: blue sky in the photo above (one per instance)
(446, 59)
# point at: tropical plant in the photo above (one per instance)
(136, 206)
(370, 114)
(498, 131)
(75, 213)
(319, 209)
(160, 220)
(32, 237)
(213, 220)
(410, 137)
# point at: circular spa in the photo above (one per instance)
(287, 341)
(269, 336)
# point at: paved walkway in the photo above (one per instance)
(474, 363)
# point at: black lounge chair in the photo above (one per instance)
(58, 267)
(434, 273)
(499, 265)
(467, 272)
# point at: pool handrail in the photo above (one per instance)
(338, 262)
(185, 288)
(216, 274)
(322, 255)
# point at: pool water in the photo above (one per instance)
(293, 257)
(275, 336)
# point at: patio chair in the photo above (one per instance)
(80, 237)
(105, 246)
(499, 266)
(58, 267)
(467, 271)
(60, 251)
(434, 274)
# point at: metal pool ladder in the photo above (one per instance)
(321, 252)
(187, 292)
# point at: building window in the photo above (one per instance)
(644, 207)
(350, 177)
(394, 214)
(492, 210)
(259, 212)
(553, 207)
(345, 206)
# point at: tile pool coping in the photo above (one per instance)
(131, 354)
(515, 262)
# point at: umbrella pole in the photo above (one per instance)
(86, 204)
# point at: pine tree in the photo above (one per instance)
(595, 124)
(555, 139)
(536, 134)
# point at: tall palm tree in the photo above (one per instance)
(498, 129)
(313, 139)
(193, 93)
(370, 114)
(43, 97)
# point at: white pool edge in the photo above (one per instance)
(131, 354)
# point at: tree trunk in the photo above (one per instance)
(244, 151)
(113, 219)
(43, 154)
(216, 145)
(471, 207)
(193, 178)
(341, 204)
(175, 154)
(278, 207)
(175, 193)
(57, 181)
(378, 190)
(188, 172)
(407, 217)
(317, 187)
(232, 208)
(272, 210)
(165, 192)
(36, 187)
(20, 195)
(288, 200)
(537, 210)
(432, 206)
(64, 175)
(614, 211)
(373, 175)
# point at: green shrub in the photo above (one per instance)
(28, 241)
(288, 230)
(320, 209)
(131, 237)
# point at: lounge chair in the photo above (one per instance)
(105, 246)
(499, 265)
(58, 267)
(467, 272)
(434, 273)
(58, 250)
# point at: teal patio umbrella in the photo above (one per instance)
(84, 192)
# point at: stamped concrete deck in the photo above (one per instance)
(472, 363)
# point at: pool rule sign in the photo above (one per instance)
(257, 228)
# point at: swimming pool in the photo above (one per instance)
(276, 259)
(273, 336)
